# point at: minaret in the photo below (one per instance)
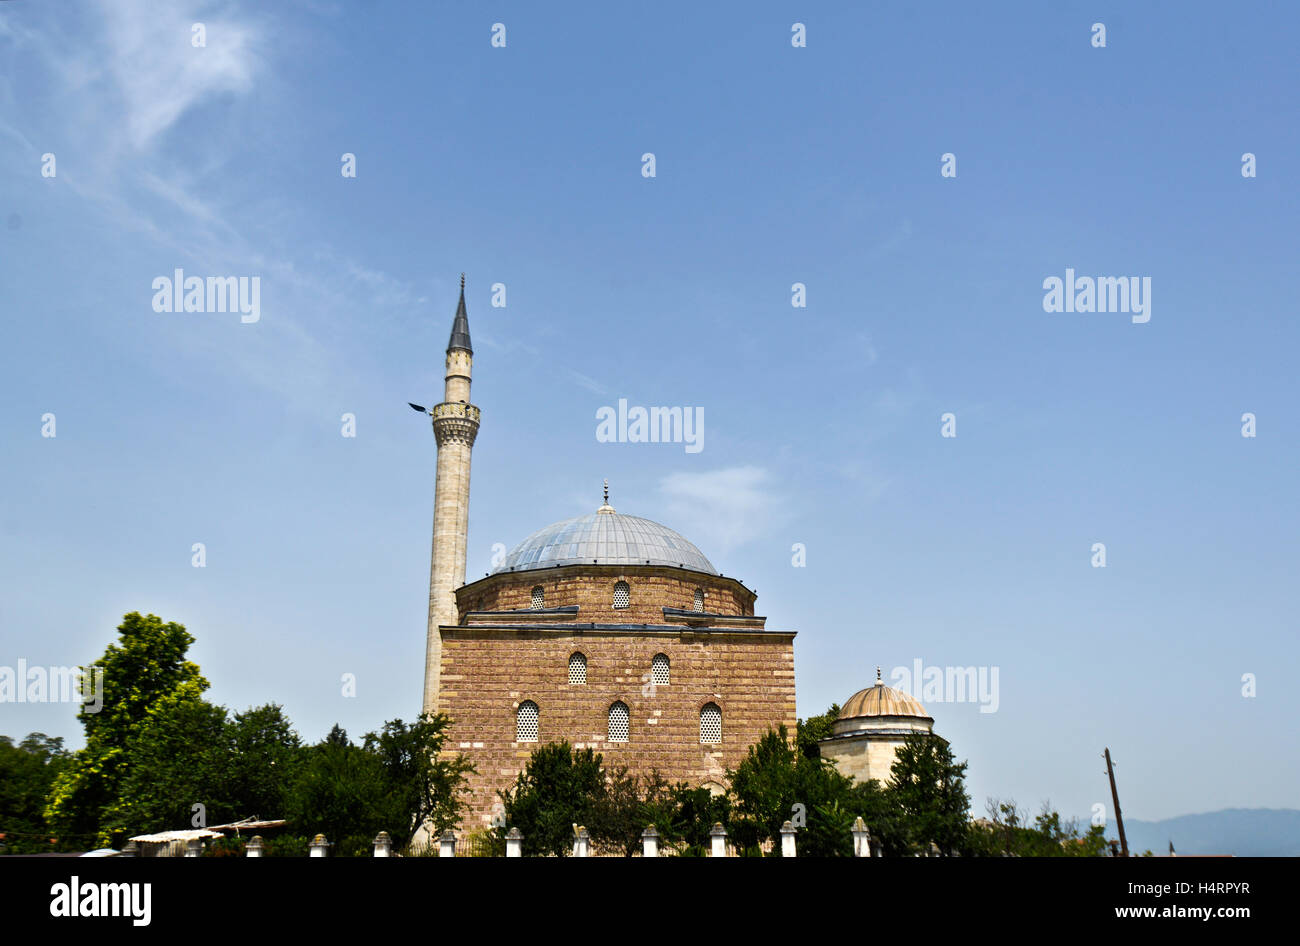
(455, 425)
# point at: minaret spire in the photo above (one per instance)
(460, 325)
(455, 425)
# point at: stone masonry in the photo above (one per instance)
(499, 657)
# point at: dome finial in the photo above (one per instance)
(462, 282)
(606, 508)
(878, 681)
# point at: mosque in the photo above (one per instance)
(612, 632)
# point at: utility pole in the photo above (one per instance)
(1114, 797)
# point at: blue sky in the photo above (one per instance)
(774, 165)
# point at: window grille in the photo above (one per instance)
(659, 670)
(577, 669)
(699, 599)
(539, 599)
(622, 595)
(618, 722)
(526, 722)
(710, 724)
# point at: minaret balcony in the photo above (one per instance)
(457, 410)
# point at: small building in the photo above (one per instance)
(870, 728)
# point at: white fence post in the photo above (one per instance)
(580, 841)
(514, 843)
(447, 844)
(383, 845)
(861, 838)
(319, 846)
(718, 840)
(650, 842)
(255, 846)
(787, 840)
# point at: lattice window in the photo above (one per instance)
(539, 598)
(622, 595)
(699, 599)
(526, 722)
(659, 670)
(710, 724)
(618, 722)
(577, 669)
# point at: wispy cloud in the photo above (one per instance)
(724, 508)
(157, 71)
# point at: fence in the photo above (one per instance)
(449, 845)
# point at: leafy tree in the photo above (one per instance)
(618, 814)
(558, 788)
(148, 663)
(765, 790)
(396, 781)
(686, 816)
(423, 786)
(928, 790)
(1008, 833)
(177, 759)
(338, 791)
(775, 783)
(27, 771)
(265, 756)
(814, 729)
(188, 751)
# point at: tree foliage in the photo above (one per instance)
(1007, 832)
(928, 789)
(27, 771)
(147, 664)
(558, 789)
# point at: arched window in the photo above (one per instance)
(526, 722)
(618, 722)
(659, 670)
(699, 599)
(539, 598)
(577, 669)
(710, 724)
(622, 594)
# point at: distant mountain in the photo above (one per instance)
(1245, 832)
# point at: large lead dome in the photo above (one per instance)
(605, 538)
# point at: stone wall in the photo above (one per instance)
(487, 671)
(591, 588)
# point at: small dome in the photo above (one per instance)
(881, 700)
(605, 538)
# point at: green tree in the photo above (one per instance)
(1007, 832)
(928, 790)
(776, 783)
(188, 752)
(177, 758)
(618, 814)
(27, 771)
(148, 663)
(814, 729)
(339, 791)
(557, 789)
(423, 786)
(266, 753)
(689, 815)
